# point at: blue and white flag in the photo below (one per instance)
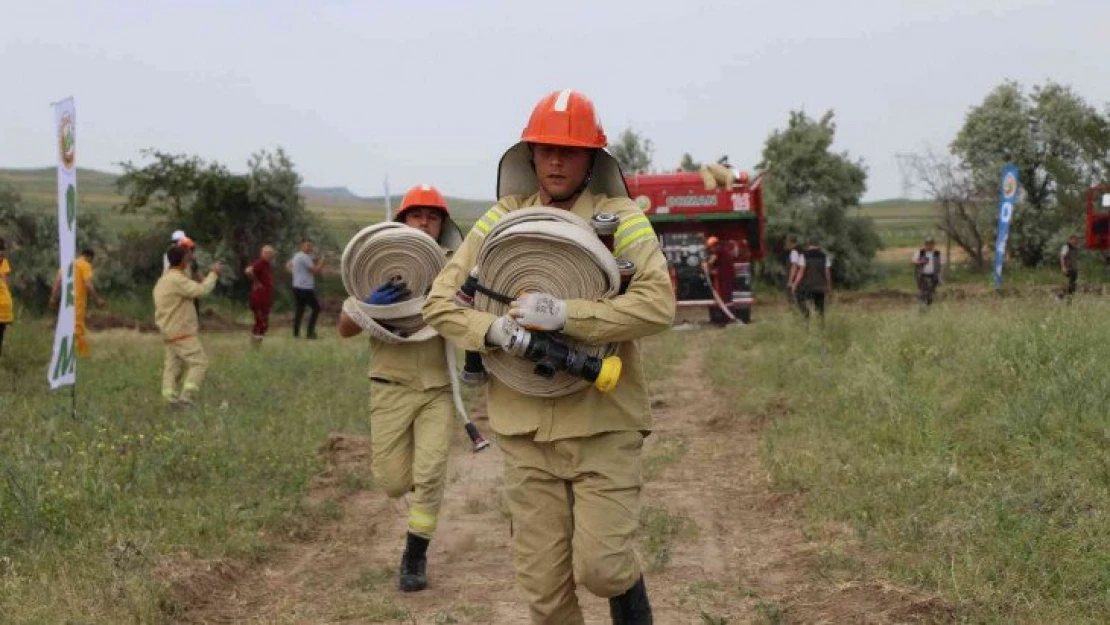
(1006, 200)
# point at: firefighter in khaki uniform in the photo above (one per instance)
(176, 318)
(571, 463)
(411, 413)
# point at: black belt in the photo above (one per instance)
(382, 380)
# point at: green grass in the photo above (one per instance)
(664, 352)
(901, 222)
(898, 274)
(966, 447)
(898, 210)
(89, 507)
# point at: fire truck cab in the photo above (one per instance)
(685, 210)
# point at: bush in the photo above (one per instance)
(32, 240)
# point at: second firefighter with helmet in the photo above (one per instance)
(411, 412)
(571, 463)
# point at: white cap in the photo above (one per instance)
(177, 235)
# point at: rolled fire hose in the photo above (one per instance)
(552, 251)
(379, 253)
(716, 296)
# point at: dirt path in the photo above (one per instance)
(718, 544)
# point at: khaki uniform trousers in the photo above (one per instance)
(574, 506)
(410, 437)
(186, 354)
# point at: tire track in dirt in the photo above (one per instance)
(735, 549)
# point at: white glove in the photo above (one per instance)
(539, 311)
(500, 332)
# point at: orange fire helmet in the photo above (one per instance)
(711, 241)
(565, 118)
(423, 195)
(186, 243)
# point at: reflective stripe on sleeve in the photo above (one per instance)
(630, 231)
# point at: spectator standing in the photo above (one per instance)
(261, 274)
(305, 270)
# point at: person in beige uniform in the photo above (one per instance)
(571, 463)
(176, 318)
(411, 413)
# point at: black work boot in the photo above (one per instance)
(631, 608)
(413, 562)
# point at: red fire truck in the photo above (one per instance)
(684, 212)
(1098, 218)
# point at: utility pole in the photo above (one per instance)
(388, 204)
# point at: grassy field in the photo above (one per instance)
(965, 448)
(91, 508)
(901, 223)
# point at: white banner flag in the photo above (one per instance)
(63, 366)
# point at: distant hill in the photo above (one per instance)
(97, 193)
(335, 192)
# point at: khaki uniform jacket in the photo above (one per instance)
(646, 308)
(421, 366)
(174, 293)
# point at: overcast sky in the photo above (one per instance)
(435, 90)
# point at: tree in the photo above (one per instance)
(231, 216)
(32, 239)
(688, 163)
(963, 212)
(633, 152)
(810, 190)
(1060, 146)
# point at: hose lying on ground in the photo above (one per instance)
(551, 251)
(371, 258)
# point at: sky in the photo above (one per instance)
(434, 91)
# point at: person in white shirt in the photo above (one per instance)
(305, 270)
(813, 279)
(928, 266)
(1069, 263)
(793, 266)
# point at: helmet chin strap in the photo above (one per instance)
(581, 187)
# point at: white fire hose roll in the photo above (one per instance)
(375, 255)
(552, 251)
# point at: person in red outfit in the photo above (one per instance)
(261, 273)
(722, 266)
